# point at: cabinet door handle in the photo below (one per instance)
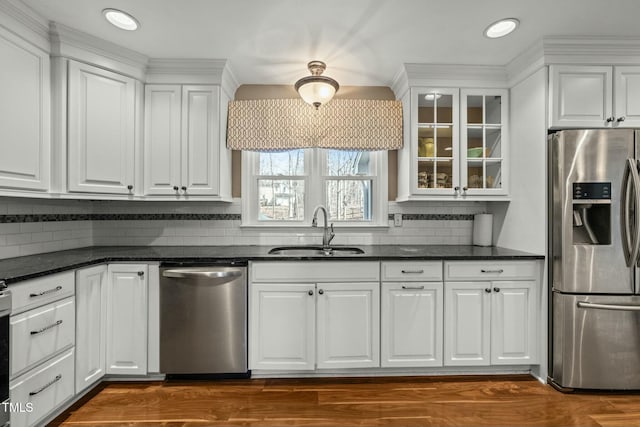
(50, 291)
(621, 119)
(412, 287)
(176, 188)
(610, 119)
(129, 187)
(140, 273)
(456, 190)
(496, 289)
(183, 188)
(492, 271)
(320, 291)
(310, 292)
(46, 328)
(412, 271)
(487, 290)
(46, 386)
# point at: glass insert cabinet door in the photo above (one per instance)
(435, 140)
(483, 146)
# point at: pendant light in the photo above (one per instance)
(316, 89)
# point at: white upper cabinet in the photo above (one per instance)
(456, 144)
(24, 115)
(594, 96)
(182, 140)
(101, 130)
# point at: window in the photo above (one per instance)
(284, 187)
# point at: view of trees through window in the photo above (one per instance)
(283, 183)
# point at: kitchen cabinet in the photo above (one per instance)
(456, 144)
(127, 308)
(25, 135)
(411, 314)
(348, 316)
(91, 325)
(302, 319)
(182, 140)
(491, 320)
(594, 96)
(282, 326)
(101, 130)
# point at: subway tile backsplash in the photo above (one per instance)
(31, 226)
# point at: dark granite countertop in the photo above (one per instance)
(27, 267)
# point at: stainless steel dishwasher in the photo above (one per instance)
(203, 320)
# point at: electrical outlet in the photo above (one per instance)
(397, 220)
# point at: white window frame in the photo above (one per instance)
(314, 193)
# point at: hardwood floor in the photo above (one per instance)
(401, 401)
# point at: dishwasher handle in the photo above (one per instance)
(223, 276)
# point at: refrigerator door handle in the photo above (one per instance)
(630, 238)
(619, 307)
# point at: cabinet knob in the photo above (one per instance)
(456, 190)
(487, 290)
(496, 289)
(621, 119)
(129, 187)
(140, 273)
(465, 189)
(321, 292)
(310, 292)
(175, 188)
(610, 119)
(183, 188)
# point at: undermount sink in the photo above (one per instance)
(315, 250)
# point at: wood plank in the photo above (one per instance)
(400, 401)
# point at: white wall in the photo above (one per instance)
(521, 224)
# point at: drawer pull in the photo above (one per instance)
(412, 287)
(56, 289)
(492, 271)
(46, 328)
(412, 271)
(46, 386)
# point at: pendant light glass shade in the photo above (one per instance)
(316, 89)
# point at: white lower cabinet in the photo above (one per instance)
(411, 324)
(282, 327)
(348, 316)
(298, 323)
(42, 390)
(91, 324)
(126, 343)
(491, 322)
(412, 299)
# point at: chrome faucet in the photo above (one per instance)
(328, 236)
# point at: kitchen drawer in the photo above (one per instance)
(39, 333)
(314, 271)
(412, 271)
(491, 270)
(35, 292)
(42, 389)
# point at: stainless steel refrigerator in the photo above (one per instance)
(594, 246)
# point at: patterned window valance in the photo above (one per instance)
(283, 124)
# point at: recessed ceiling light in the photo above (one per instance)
(501, 28)
(121, 19)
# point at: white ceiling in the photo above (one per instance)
(363, 42)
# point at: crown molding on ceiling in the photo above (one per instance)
(25, 23)
(192, 71)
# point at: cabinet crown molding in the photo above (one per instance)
(74, 44)
(17, 17)
(591, 50)
(192, 71)
(448, 75)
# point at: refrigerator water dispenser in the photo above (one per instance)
(592, 213)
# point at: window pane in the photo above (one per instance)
(349, 200)
(281, 199)
(348, 163)
(282, 163)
